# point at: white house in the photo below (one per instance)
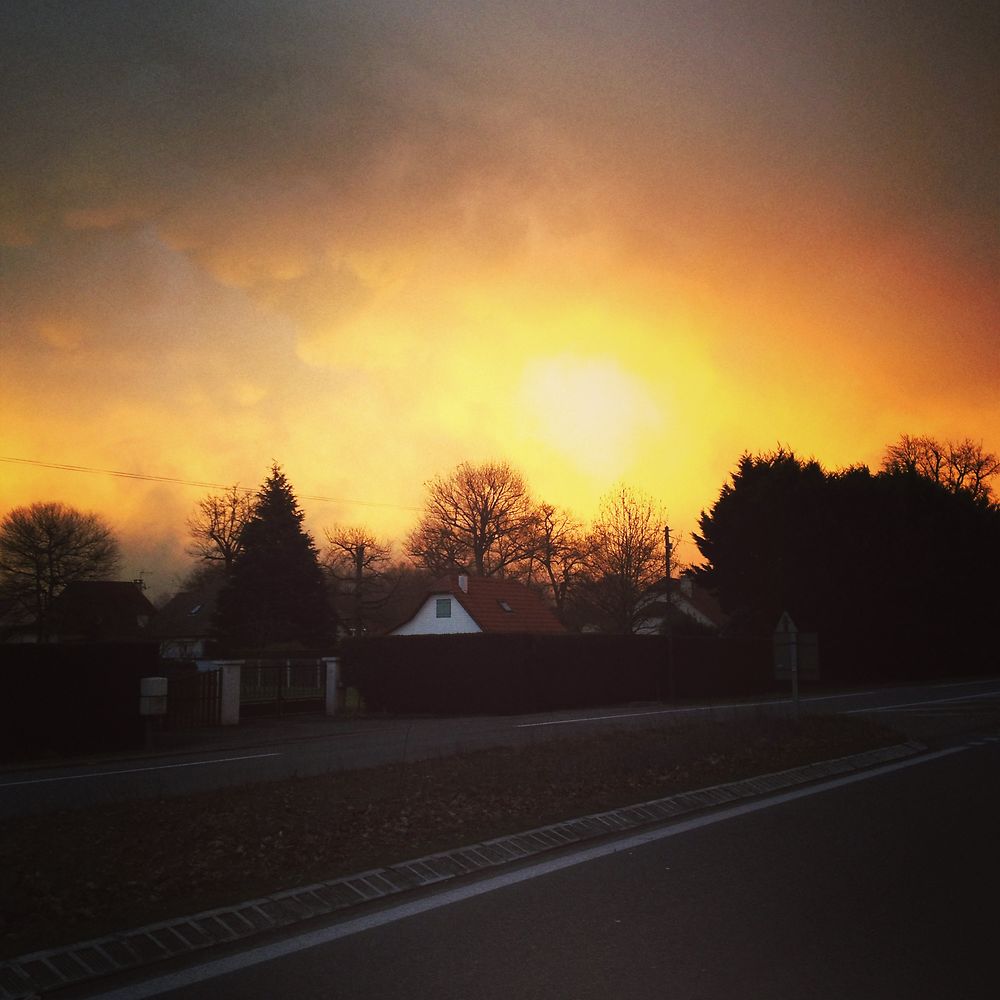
(463, 604)
(686, 598)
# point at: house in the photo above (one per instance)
(101, 609)
(184, 624)
(690, 603)
(466, 604)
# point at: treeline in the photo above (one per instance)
(480, 519)
(897, 564)
(896, 570)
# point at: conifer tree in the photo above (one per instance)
(275, 594)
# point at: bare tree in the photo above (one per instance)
(960, 466)
(363, 574)
(46, 546)
(216, 526)
(625, 556)
(480, 519)
(972, 469)
(560, 551)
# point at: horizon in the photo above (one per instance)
(370, 243)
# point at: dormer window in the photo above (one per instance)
(443, 609)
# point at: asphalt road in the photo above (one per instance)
(883, 887)
(270, 751)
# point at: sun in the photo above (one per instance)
(590, 411)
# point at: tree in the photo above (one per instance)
(559, 551)
(216, 526)
(480, 519)
(363, 574)
(46, 546)
(959, 466)
(625, 556)
(762, 540)
(275, 594)
(894, 571)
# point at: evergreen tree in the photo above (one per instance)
(275, 594)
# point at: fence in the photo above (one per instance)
(194, 700)
(276, 687)
(459, 674)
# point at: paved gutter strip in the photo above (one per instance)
(29, 975)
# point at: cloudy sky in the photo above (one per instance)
(604, 241)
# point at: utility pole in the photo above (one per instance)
(668, 605)
(359, 563)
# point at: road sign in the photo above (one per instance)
(796, 654)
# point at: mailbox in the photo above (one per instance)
(153, 696)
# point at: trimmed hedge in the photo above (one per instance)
(72, 698)
(511, 674)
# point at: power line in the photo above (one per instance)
(185, 482)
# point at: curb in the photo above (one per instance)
(28, 976)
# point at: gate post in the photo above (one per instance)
(332, 664)
(231, 672)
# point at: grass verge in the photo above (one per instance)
(66, 877)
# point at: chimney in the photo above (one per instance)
(463, 582)
(687, 585)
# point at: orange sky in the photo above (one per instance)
(370, 241)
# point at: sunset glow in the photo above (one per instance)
(369, 241)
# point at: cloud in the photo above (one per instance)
(338, 234)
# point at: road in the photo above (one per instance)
(883, 885)
(269, 752)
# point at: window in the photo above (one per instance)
(506, 607)
(443, 607)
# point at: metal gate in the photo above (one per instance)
(194, 700)
(274, 687)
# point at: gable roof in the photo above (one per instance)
(498, 605)
(188, 614)
(105, 608)
(686, 591)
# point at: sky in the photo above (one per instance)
(607, 243)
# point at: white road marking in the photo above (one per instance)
(136, 770)
(930, 701)
(758, 704)
(312, 939)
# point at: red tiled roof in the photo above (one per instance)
(528, 611)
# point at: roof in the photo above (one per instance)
(102, 607)
(188, 614)
(498, 605)
(686, 591)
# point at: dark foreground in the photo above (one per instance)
(75, 875)
(879, 886)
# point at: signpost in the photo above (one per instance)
(796, 655)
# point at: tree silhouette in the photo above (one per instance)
(275, 594)
(559, 552)
(480, 519)
(46, 546)
(894, 570)
(625, 557)
(362, 574)
(959, 466)
(216, 526)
